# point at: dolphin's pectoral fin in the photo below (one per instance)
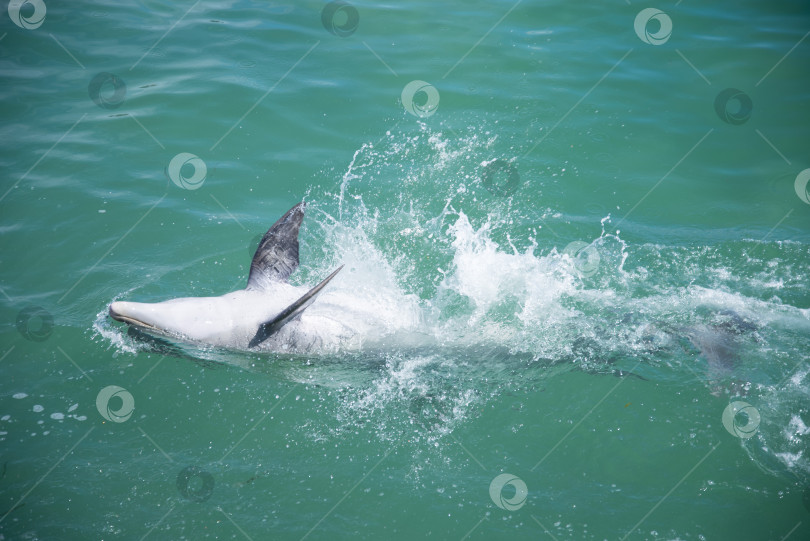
(291, 312)
(277, 255)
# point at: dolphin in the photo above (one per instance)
(242, 319)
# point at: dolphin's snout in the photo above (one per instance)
(131, 313)
(115, 311)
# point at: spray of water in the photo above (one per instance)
(446, 285)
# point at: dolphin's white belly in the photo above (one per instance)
(229, 320)
(269, 313)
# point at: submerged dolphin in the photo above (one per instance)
(242, 319)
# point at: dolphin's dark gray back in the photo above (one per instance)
(276, 258)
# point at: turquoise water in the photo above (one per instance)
(602, 378)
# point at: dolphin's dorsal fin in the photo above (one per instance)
(291, 312)
(277, 255)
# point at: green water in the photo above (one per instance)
(597, 377)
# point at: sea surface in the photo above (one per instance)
(582, 229)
